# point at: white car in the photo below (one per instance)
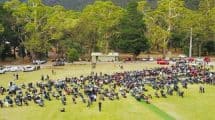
(28, 68)
(2, 70)
(148, 59)
(38, 62)
(182, 56)
(7, 68)
(16, 68)
(13, 69)
(151, 59)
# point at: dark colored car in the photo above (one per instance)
(59, 63)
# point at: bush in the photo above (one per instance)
(186, 50)
(209, 47)
(72, 55)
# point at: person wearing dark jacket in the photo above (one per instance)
(100, 106)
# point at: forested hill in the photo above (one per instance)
(80, 4)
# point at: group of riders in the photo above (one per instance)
(164, 81)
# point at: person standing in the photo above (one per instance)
(42, 77)
(17, 76)
(1, 103)
(47, 77)
(53, 72)
(100, 106)
(203, 89)
(88, 103)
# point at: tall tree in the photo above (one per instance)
(1, 28)
(161, 22)
(31, 16)
(206, 9)
(207, 23)
(59, 26)
(10, 34)
(1, 41)
(96, 22)
(131, 32)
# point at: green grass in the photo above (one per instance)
(126, 109)
(158, 111)
(193, 106)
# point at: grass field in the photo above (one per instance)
(194, 106)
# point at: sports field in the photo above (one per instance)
(194, 106)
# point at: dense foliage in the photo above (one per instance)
(131, 32)
(35, 28)
(72, 55)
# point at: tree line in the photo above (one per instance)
(35, 28)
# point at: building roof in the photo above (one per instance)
(96, 54)
(101, 54)
(113, 54)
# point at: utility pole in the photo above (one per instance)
(191, 40)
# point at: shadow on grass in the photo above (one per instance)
(158, 111)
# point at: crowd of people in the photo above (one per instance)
(165, 81)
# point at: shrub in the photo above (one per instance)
(72, 55)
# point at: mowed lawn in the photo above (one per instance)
(192, 107)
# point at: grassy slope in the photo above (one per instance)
(115, 110)
(193, 106)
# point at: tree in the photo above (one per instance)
(192, 4)
(190, 25)
(200, 23)
(1, 42)
(1, 28)
(210, 47)
(131, 32)
(206, 9)
(10, 33)
(30, 19)
(72, 55)
(96, 22)
(162, 21)
(207, 23)
(59, 27)
(1, 31)
(22, 52)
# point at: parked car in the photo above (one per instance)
(29, 68)
(174, 59)
(190, 59)
(182, 56)
(7, 68)
(162, 61)
(207, 59)
(38, 62)
(128, 59)
(16, 69)
(2, 70)
(148, 59)
(59, 63)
